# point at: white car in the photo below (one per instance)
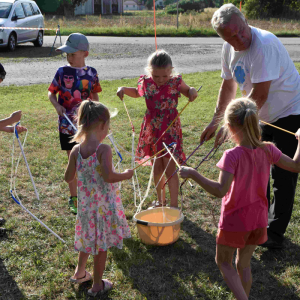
(20, 13)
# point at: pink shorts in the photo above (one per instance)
(241, 239)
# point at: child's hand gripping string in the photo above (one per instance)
(120, 93)
(19, 129)
(193, 94)
(186, 172)
(129, 91)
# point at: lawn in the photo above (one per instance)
(141, 23)
(35, 265)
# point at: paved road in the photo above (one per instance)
(120, 57)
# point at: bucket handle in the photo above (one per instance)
(142, 222)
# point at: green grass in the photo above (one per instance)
(35, 265)
(141, 23)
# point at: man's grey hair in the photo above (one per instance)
(223, 15)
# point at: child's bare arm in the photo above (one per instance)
(71, 168)
(59, 109)
(95, 97)
(104, 156)
(188, 91)
(217, 188)
(13, 118)
(129, 91)
(292, 165)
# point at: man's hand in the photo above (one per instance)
(209, 131)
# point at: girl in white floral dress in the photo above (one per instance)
(101, 221)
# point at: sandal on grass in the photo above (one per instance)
(107, 286)
(85, 278)
(158, 204)
(2, 232)
(2, 221)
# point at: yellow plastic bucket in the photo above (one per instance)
(159, 226)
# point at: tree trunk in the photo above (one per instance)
(68, 10)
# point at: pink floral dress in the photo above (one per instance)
(101, 222)
(161, 110)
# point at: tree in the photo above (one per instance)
(168, 2)
(272, 8)
(149, 4)
(53, 6)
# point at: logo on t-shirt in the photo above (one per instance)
(239, 74)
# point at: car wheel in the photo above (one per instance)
(12, 42)
(39, 40)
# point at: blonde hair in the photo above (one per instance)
(242, 113)
(158, 59)
(90, 114)
(223, 15)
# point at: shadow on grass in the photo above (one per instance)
(8, 287)
(178, 271)
(29, 51)
(187, 270)
(278, 262)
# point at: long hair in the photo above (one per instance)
(90, 114)
(223, 15)
(158, 59)
(242, 114)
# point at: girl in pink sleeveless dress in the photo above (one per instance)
(161, 91)
(101, 221)
(242, 185)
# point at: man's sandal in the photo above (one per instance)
(2, 221)
(107, 286)
(86, 277)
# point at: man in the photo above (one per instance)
(257, 62)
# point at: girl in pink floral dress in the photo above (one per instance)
(161, 90)
(101, 221)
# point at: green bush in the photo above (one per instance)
(173, 11)
(185, 5)
(266, 9)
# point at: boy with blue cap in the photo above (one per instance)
(74, 83)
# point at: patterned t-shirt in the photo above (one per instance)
(73, 85)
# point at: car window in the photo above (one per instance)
(35, 9)
(19, 12)
(27, 9)
(5, 9)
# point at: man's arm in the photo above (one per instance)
(227, 92)
(260, 92)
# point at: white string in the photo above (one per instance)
(13, 182)
(135, 181)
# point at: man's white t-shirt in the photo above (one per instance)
(266, 59)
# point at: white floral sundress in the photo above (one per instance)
(101, 222)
